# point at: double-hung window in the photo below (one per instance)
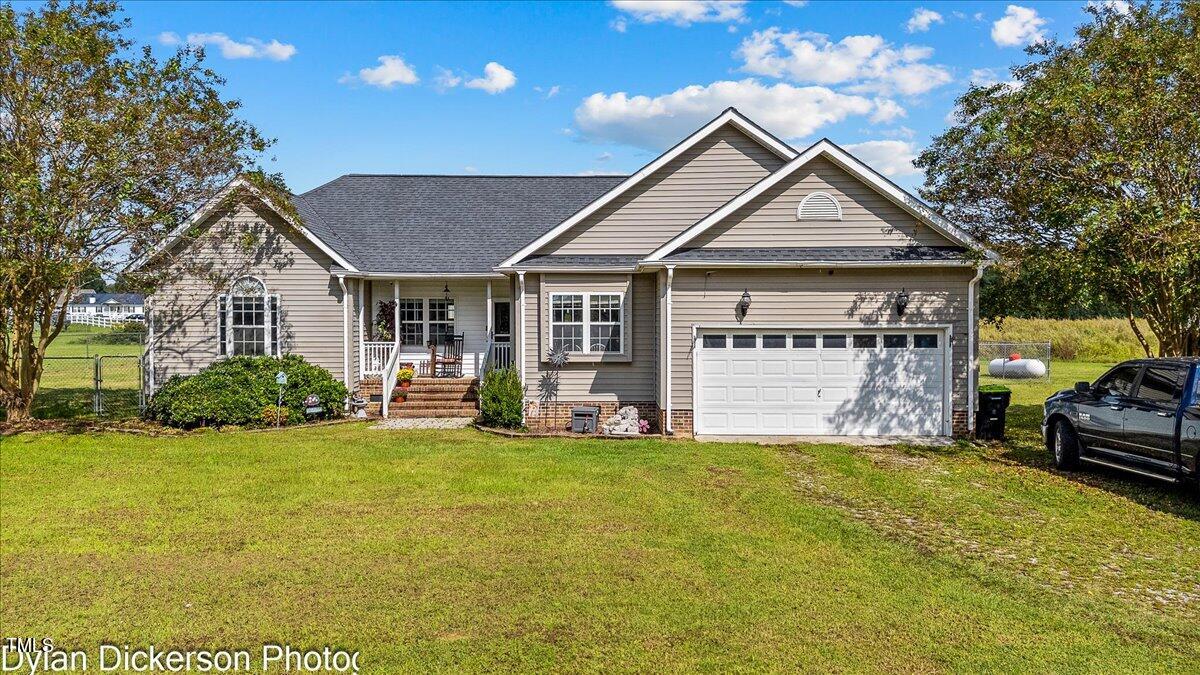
(587, 323)
(412, 321)
(248, 320)
(441, 320)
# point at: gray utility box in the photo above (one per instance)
(584, 419)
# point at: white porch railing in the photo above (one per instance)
(499, 355)
(376, 356)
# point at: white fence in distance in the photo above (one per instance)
(99, 320)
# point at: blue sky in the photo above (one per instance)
(548, 88)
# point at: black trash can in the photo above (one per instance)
(989, 422)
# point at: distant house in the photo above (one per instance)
(113, 305)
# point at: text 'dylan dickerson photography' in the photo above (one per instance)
(33, 655)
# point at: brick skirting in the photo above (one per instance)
(556, 415)
(958, 424)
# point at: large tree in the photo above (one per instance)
(1084, 169)
(103, 149)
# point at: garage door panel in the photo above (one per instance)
(806, 389)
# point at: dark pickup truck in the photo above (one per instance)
(1142, 416)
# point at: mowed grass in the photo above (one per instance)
(463, 551)
(67, 386)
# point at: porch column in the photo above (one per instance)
(667, 350)
(362, 331)
(396, 315)
(487, 308)
(520, 355)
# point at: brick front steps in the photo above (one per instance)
(430, 397)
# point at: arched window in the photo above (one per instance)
(248, 320)
(819, 206)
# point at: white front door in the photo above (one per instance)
(827, 381)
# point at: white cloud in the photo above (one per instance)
(446, 79)
(681, 12)
(795, 3)
(867, 63)
(619, 24)
(548, 92)
(658, 122)
(392, 70)
(251, 48)
(1019, 26)
(986, 77)
(922, 19)
(899, 132)
(604, 157)
(470, 169)
(1119, 6)
(496, 78)
(890, 158)
(601, 172)
(887, 110)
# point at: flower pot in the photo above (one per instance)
(405, 384)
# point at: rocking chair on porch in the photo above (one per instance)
(449, 362)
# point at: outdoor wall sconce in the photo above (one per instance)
(446, 291)
(743, 306)
(901, 302)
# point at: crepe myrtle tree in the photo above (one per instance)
(1083, 171)
(103, 150)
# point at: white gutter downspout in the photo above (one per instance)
(972, 366)
(667, 349)
(520, 355)
(345, 331)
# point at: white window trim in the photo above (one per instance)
(587, 320)
(269, 337)
(800, 209)
(425, 310)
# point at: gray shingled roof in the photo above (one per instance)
(549, 261)
(821, 254)
(390, 223)
(101, 298)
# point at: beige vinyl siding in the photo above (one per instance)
(868, 218)
(627, 378)
(665, 203)
(863, 297)
(247, 241)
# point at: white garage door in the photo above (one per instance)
(829, 382)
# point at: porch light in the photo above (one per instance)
(901, 302)
(743, 306)
(446, 291)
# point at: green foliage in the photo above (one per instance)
(501, 397)
(274, 416)
(1086, 176)
(104, 149)
(994, 389)
(1097, 340)
(124, 333)
(237, 390)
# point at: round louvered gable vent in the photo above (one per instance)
(819, 206)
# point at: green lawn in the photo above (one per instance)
(462, 551)
(68, 385)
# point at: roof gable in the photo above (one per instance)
(851, 165)
(729, 118)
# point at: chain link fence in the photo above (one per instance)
(102, 386)
(996, 360)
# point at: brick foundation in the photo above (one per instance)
(556, 415)
(958, 424)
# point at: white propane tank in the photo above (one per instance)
(1016, 369)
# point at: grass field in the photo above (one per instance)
(456, 550)
(1088, 340)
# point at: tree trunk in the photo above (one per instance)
(1137, 332)
(18, 409)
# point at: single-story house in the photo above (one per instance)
(116, 305)
(733, 285)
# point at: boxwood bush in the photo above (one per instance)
(500, 399)
(238, 389)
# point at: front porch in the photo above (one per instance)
(450, 330)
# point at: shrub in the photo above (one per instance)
(273, 416)
(124, 333)
(237, 390)
(501, 398)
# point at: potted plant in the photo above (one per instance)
(399, 396)
(404, 378)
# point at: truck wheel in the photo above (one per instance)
(1066, 446)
